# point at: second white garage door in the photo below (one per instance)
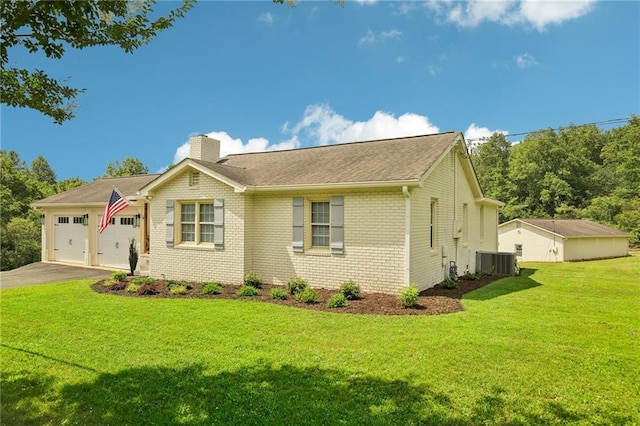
(113, 243)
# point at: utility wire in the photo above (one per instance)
(597, 123)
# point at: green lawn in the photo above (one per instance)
(558, 345)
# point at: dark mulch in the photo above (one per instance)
(434, 301)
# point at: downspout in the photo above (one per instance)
(407, 234)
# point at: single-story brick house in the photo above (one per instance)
(385, 213)
(560, 240)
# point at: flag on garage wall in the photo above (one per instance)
(115, 204)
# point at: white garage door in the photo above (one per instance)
(70, 239)
(113, 243)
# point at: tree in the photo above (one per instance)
(43, 172)
(491, 161)
(53, 26)
(20, 243)
(129, 167)
(70, 183)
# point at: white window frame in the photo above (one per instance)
(433, 224)
(326, 224)
(197, 223)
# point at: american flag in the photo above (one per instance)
(116, 203)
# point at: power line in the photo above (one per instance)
(597, 123)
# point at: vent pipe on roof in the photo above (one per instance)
(204, 148)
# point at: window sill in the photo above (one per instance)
(207, 247)
(318, 252)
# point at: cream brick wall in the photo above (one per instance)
(192, 262)
(448, 185)
(373, 240)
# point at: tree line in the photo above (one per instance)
(574, 172)
(21, 185)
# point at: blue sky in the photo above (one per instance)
(259, 76)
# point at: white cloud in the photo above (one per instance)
(543, 13)
(433, 70)
(267, 18)
(405, 8)
(525, 60)
(366, 2)
(321, 125)
(536, 13)
(475, 133)
(371, 37)
(400, 59)
(230, 145)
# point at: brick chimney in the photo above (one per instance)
(204, 148)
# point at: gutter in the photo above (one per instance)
(407, 234)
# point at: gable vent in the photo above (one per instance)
(194, 179)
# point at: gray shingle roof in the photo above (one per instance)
(99, 190)
(574, 227)
(384, 160)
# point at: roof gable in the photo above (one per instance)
(98, 191)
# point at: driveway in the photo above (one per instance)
(44, 273)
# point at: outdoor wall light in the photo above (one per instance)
(85, 219)
(136, 222)
(42, 219)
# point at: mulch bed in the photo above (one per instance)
(433, 301)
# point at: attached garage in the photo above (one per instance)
(561, 240)
(70, 239)
(70, 225)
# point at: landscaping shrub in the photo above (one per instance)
(178, 289)
(278, 293)
(252, 279)
(297, 285)
(469, 276)
(212, 288)
(338, 300)
(118, 275)
(118, 286)
(350, 289)
(133, 256)
(178, 283)
(308, 295)
(247, 290)
(409, 296)
(148, 289)
(143, 280)
(449, 284)
(133, 288)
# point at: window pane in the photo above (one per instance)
(188, 232)
(320, 235)
(206, 213)
(320, 212)
(188, 213)
(206, 233)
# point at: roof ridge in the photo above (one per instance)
(341, 144)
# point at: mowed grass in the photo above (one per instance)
(558, 345)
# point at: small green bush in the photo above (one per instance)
(350, 289)
(252, 279)
(143, 280)
(297, 285)
(449, 284)
(308, 295)
(133, 288)
(469, 276)
(338, 300)
(212, 288)
(247, 290)
(178, 283)
(409, 296)
(278, 293)
(178, 289)
(118, 275)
